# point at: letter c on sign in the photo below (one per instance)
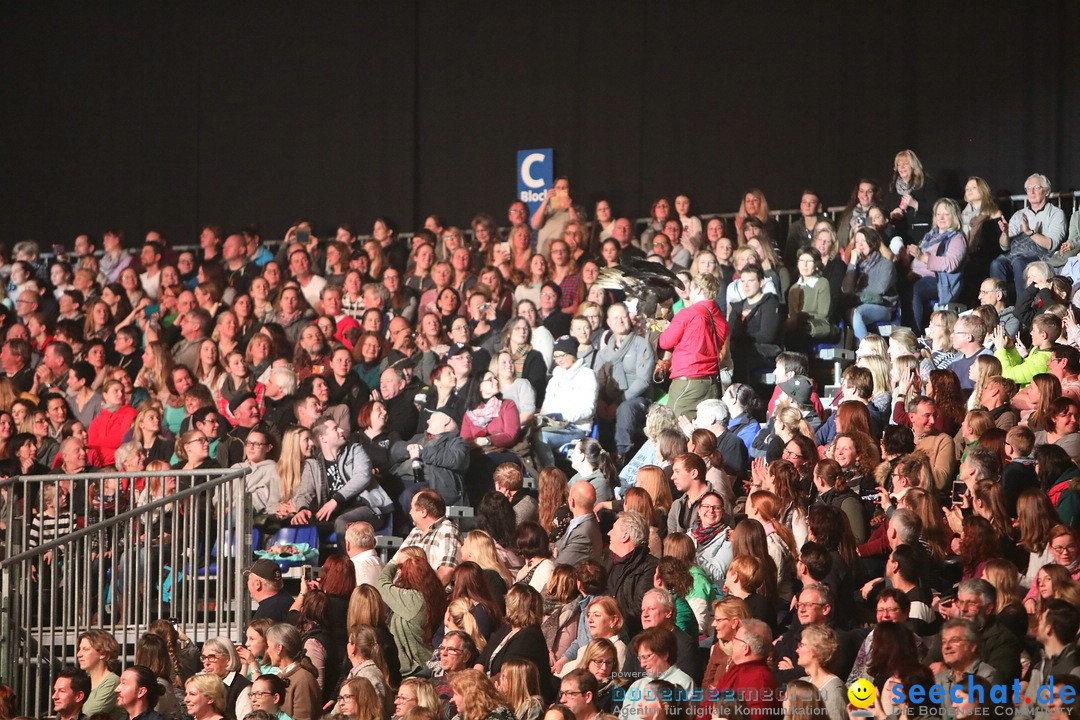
(526, 170)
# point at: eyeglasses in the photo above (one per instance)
(450, 650)
(198, 440)
(791, 454)
(710, 509)
(564, 693)
(267, 693)
(744, 642)
(404, 698)
(603, 662)
(808, 605)
(255, 443)
(1034, 187)
(1071, 547)
(342, 696)
(211, 657)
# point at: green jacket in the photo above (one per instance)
(406, 623)
(1022, 370)
(811, 307)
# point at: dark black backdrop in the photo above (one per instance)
(170, 115)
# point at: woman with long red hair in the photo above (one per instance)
(469, 583)
(337, 579)
(415, 595)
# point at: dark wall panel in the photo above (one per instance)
(165, 116)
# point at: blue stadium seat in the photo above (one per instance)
(212, 568)
(295, 534)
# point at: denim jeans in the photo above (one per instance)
(1009, 267)
(924, 292)
(866, 315)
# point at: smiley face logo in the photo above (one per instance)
(862, 693)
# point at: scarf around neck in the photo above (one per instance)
(705, 535)
(482, 416)
(902, 188)
(935, 236)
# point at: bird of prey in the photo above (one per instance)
(649, 283)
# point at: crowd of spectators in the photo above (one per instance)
(699, 536)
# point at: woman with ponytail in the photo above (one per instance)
(285, 649)
(595, 465)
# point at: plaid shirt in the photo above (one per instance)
(441, 542)
(569, 287)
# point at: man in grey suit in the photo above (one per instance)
(582, 540)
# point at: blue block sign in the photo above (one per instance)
(535, 174)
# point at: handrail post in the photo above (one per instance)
(40, 619)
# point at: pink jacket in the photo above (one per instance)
(502, 431)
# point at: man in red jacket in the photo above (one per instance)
(749, 685)
(696, 337)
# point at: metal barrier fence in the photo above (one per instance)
(112, 555)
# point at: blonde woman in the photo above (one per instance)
(791, 421)
(459, 616)
(879, 369)
(156, 369)
(772, 265)
(705, 263)
(296, 446)
(755, 205)
(416, 693)
(936, 261)
(834, 265)
(980, 372)
(208, 368)
(226, 332)
(520, 239)
(479, 547)
(366, 609)
(477, 698)
(204, 697)
(911, 196)
(982, 236)
(519, 683)
(146, 430)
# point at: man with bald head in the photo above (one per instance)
(238, 271)
(582, 540)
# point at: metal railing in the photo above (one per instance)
(1068, 201)
(114, 556)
